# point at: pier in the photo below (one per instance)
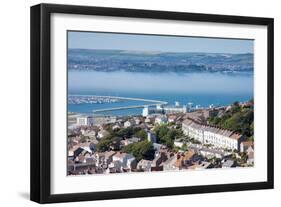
(154, 103)
(161, 106)
(125, 98)
(123, 108)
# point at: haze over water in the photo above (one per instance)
(199, 88)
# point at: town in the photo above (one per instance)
(162, 139)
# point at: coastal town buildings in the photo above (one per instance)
(103, 133)
(89, 133)
(215, 136)
(116, 126)
(85, 121)
(244, 146)
(165, 109)
(128, 123)
(172, 119)
(228, 164)
(250, 156)
(110, 144)
(175, 109)
(161, 119)
(104, 158)
(100, 120)
(144, 165)
(130, 141)
(127, 161)
(248, 148)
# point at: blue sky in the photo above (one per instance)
(117, 41)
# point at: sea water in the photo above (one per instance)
(201, 89)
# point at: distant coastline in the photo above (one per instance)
(155, 61)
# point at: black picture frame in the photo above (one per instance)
(41, 98)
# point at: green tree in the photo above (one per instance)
(140, 150)
(239, 119)
(141, 134)
(161, 131)
(166, 135)
(184, 147)
(125, 132)
(104, 145)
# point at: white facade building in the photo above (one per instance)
(128, 124)
(145, 111)
(175, 109)
(178, 143)
(215, 136)
(89, 133)
(125, 159)
(103, 133)
(145, 165)
(85, 121)
(161, 119)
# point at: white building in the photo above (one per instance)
(137, 121)
(126, 159)
(85, 121)
(172, 119)
(89, 133)
(100, 120)
(147, 120)
(130, 140)
(145, 111)
(128, 124)
(228, 164)
(209, 153)
(177, 108)
(170, 164)
(131, 163)
(215, 136)
(144, 165)
(161, 119)
(104, 158)
(250, 154)
(103, 133)
(179, 143)
(116, 126)
(114, 167)
(248, 148)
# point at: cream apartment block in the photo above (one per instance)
(206, 134)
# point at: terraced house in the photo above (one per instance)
(220, 138)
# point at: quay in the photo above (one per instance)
(123, 108)
(125, 98)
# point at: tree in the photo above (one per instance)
(161, 131)
(141, 134)
(167, 141)
(125, 132)
(140, 150)
(184, 147)
(166, 135)
(244, 157)
(103, 145)
(235, 103)
(239, 119)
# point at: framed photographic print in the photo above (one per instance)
(132, 103)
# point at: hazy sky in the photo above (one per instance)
(117, 41)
